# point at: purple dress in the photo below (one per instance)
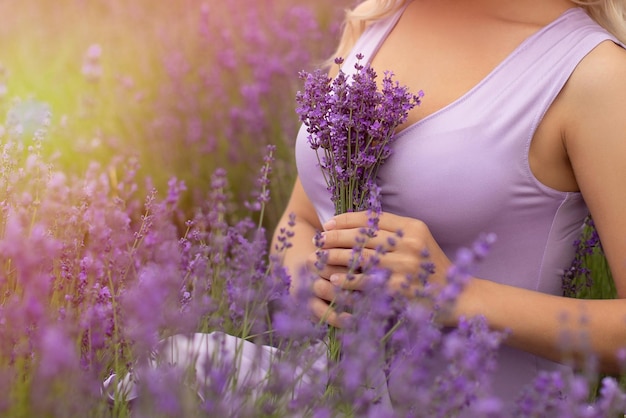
(464, 170)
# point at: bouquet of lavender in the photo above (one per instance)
(354, 124)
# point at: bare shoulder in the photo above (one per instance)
(601, 72)
(595, 95)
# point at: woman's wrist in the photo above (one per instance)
(469, 303)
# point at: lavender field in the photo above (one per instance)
(145, 157)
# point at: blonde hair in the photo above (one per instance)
(361, 17)
(611, 14)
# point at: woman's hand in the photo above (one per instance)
(326, 293)
(404, 246)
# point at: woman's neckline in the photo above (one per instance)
(503, 63)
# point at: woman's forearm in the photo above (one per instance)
(554, 327)
(294, 256)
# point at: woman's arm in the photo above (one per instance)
(547, 325)
(593, 106)
(536, 322)
(305, 227)
(594, 136)
(593, 111)
(301, 254)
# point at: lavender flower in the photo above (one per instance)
(92, 67)
(354, 125)
(589, 275)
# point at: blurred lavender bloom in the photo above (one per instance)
(92, 66)
(580, 280)
(26, 117)
(58, 353)
(161, 391)
(612, 399)
(543, 397)
(262, 190)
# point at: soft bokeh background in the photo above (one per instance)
(115, 227)
(183, 86)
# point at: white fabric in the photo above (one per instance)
(252, 363)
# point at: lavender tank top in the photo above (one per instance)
(464, 170)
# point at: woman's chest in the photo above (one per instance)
(447, 51)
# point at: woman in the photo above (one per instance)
(521, 133)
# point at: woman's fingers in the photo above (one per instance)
(330, 270)
(325, 313)
(324, 290)
(357, 237)
(342, 261)
(349, 281)
(386, 221)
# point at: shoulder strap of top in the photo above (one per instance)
(371, 39)
(545, 61)
(531, 77)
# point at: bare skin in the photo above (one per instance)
(579, 146)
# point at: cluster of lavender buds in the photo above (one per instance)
(589, 275)
(354, 123)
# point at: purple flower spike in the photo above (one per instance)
(354, 125)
